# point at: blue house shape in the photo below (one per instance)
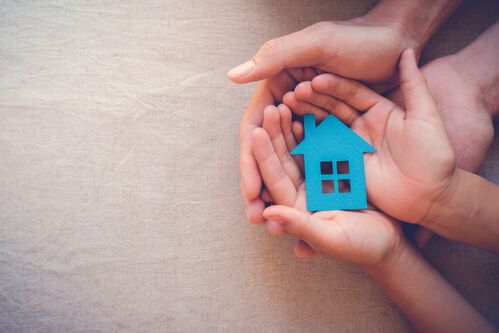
(332, 153)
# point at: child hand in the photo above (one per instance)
(414, 165)
(275, 139)
(365, 237)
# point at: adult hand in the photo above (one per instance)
(268, 92)
(364, 49)
(414, 163)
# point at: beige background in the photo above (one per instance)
(119, 201)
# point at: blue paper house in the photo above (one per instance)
(333, 152)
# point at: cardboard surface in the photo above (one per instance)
(324, 148)
(119, 168)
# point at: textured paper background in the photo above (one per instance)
(119, 201)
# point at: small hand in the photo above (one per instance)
(415, 162)
(268, 92)
(281, 172)
(347, 48)
(365, 237)
(467, 117)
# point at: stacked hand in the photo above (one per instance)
(415, 176)
(414, 164)
(365, 49)
(367, 237)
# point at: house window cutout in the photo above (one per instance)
(328, 186)
(344, 186)
(326, 168)
(342, 167)
(338, 184)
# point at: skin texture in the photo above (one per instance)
(367, 238)
(399, 168)
(467, 118)
(447, 200)
(398, 175)
(360, 241)
(268, 92)
(304, 51)
(281, 63)
(467, 106)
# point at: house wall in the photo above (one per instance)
(316, 200)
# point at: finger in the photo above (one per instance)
(397, 98)
(275, 228)
(303, 250)
(351, 92)
(301, 224)
(418, 100)
(290, 51)
(298, 131)
(286, 124)
(265, 196)
(289, 135)
(254, 209)
(277, 182)
(303, 73)
(422, 237)
(252, 118)
(272, 124)
(299, 107)
(305, 93)
(280, 84)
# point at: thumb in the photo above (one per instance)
(299, 49)
(417, 97)
(311, 229)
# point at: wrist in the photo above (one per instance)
(454, 208)
(398, 260)
(417, 19)
(378, 17)
(478, 65)
(440, 205)
(467, 211)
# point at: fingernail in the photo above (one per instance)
(242, 69)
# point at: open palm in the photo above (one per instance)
(415, 162)
(365, 237)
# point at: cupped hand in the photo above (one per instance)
(268, 92)
(271, 145)
(364, 237)
(414, 165)
(364, 49)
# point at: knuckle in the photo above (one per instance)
(331, 104)
(270, 47)
(300, 228)
(350, 92)
(350, 116)
(279, 178)
(322, 26)
(333, 83)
